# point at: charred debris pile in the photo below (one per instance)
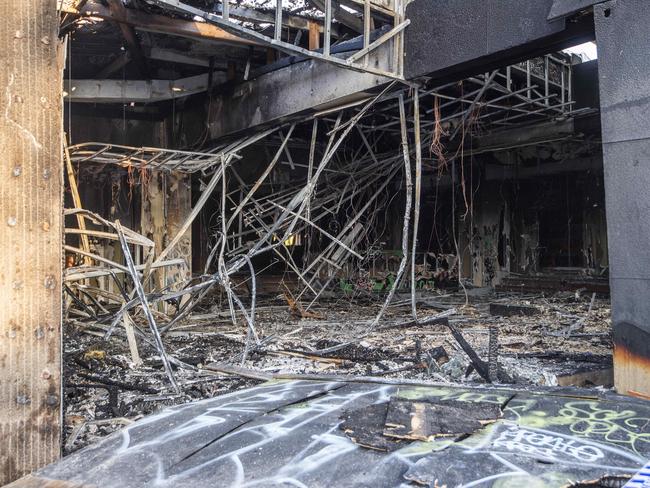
(311, 264)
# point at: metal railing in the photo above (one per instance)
(392, 11)
(150, 158)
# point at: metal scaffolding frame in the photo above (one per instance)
(155, 158)
(534, 91)
(334, 199)
(142, 157)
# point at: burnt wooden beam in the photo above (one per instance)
(118, 12)
(161, 24)
(480, 366)
(346, 18)
(378, 8)
(179, 57)
(507, 310)
(115, 65)
(147, 91)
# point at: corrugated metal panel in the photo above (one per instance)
(30, 236)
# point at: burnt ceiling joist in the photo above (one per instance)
(136, 91)
(160, 24)
(264, 17)
(119, 13)
(346, 18)
(312, 85)
(280, 43)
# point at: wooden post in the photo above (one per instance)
(271, 55)
(166, 203)
(314, 35)
(31, 202)
(152, 221)
(76, 198)
(232, 73)
(178, 205)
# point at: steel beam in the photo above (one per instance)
(564, 8)
(455, 38)
(309, 86)
(137, 91)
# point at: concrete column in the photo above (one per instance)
(30, 236)
(624, 70)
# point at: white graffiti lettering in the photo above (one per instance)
(546, 446)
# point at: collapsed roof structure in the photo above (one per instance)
(422, 191)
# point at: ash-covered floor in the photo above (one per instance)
(560, 338)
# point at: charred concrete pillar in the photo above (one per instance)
(30, 237)
(624, 71)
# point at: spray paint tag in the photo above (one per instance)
(641, 479)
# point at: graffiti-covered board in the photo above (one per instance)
(301, 434)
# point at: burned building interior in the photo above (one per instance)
(325, 243)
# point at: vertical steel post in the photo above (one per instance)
(278, 20)
(327, 27)
(563, 87)
(570, 87)
(546, 80)
(367, 20)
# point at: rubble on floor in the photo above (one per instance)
(105, 390)
(143, 332)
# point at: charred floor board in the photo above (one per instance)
(505, 310)
(365, 427)
(425, 421)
